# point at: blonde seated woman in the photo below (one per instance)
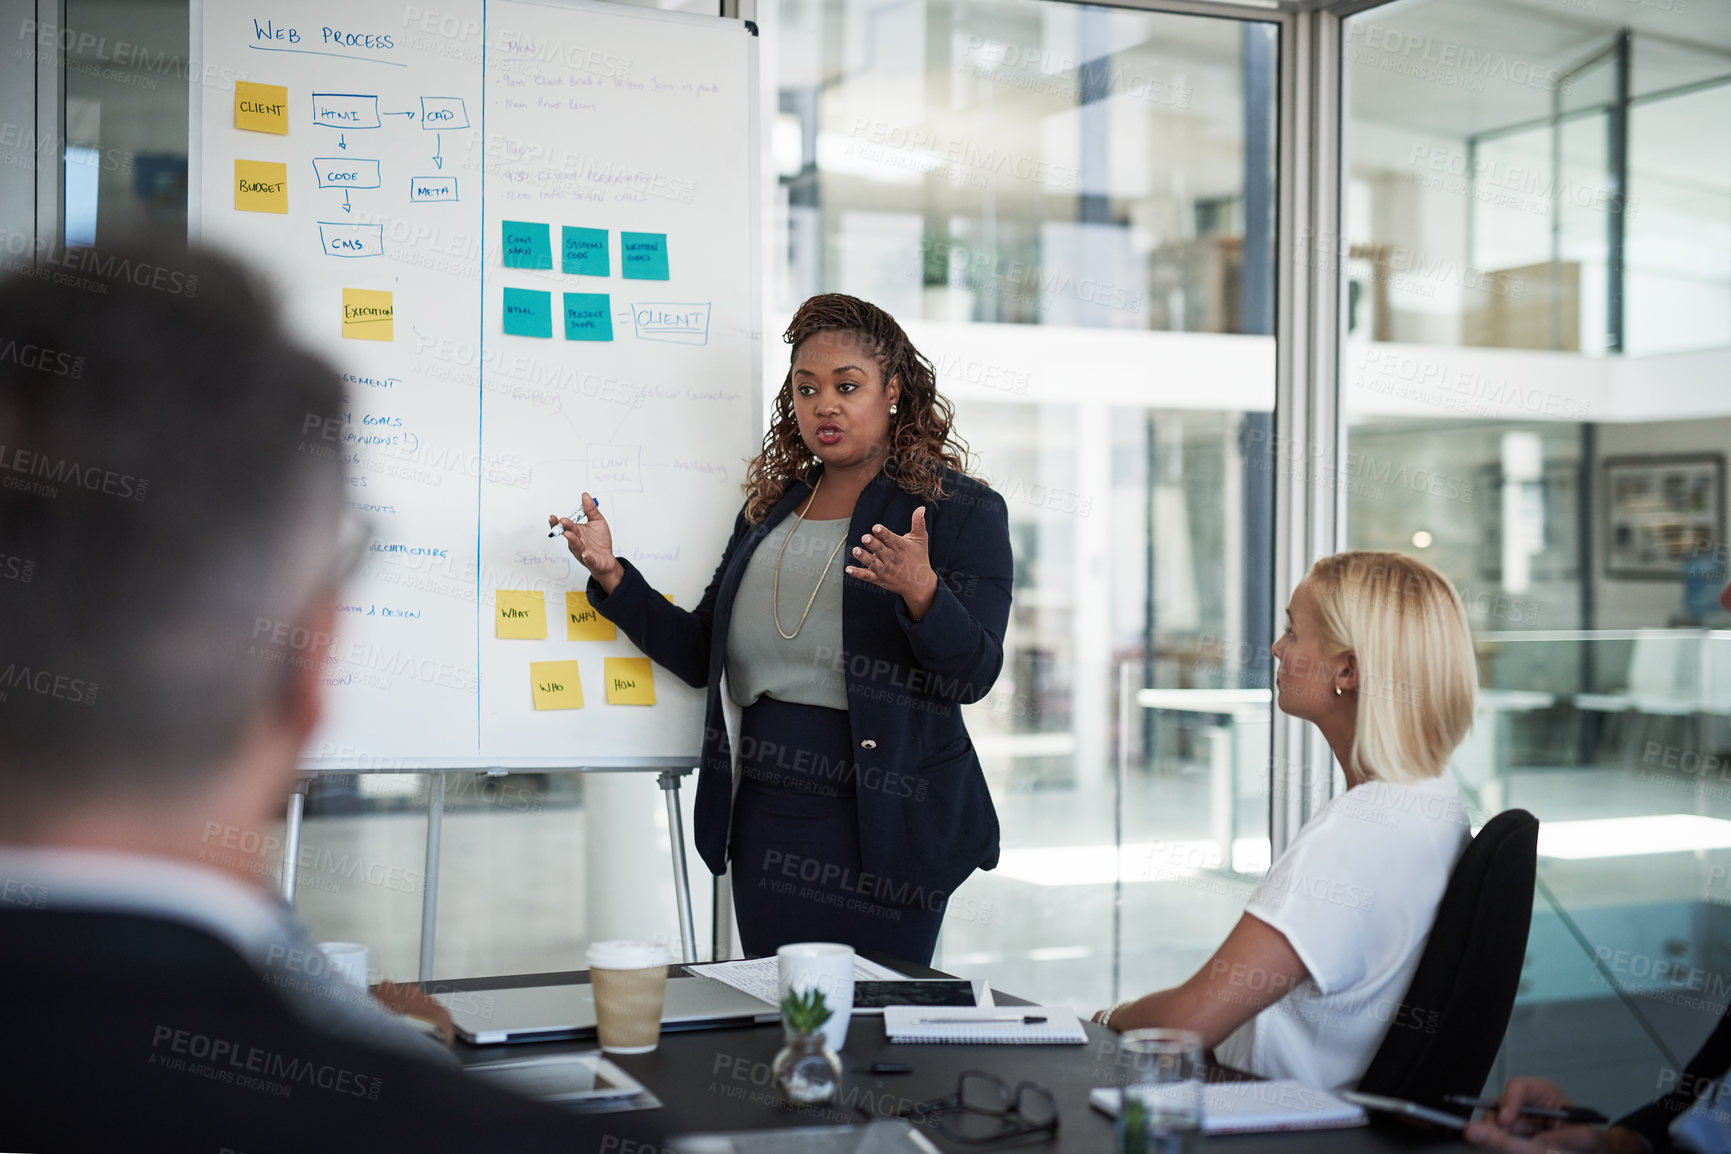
(1378, 656)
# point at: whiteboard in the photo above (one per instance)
(560, 201)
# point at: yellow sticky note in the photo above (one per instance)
(583, 623)
(520, 614)
(260, 186)
(261, 107)
(556, 685)
(630, 681)
(368, 315)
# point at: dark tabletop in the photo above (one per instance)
(720, 1079)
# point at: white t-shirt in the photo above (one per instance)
(1355, 894)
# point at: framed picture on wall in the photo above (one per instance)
(1659, 511)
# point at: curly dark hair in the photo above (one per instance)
(922, 440)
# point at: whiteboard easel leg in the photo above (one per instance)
(291, 842)
(721, 901)
(669, 782)
(430, 895)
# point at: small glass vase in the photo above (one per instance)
(807, 1071)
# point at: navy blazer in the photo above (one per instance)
(926, 816)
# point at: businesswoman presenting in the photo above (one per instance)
(860, 602)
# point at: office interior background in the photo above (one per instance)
(1216, 289)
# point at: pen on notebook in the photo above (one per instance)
(1013, 1019)
(885, 1068)
(1566, 1114)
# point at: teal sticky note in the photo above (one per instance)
(588, 317)
(643, 255)
(528, 313)
(526, 245)
(583, 251)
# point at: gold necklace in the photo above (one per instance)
(775, 586)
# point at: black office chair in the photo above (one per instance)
(1445, 1035)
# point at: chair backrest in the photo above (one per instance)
(1445, 1035)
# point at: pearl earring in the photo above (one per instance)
(1337, 691)
(892, 410)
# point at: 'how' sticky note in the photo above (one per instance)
(556, 685)
(583, 251)
(643, 255)
(528, 313)
(526, 245)
(588, 317)
(520, 614)
(260, 186)
(583, 623)
(368, 315)
(630, 681)
(261, 107)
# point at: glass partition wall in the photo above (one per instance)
(1070, 208)
(1537, 208)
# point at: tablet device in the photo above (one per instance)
(933, 992)
(560, 1078)
(1404, 1109)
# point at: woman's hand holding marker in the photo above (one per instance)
(591, 542)
(898, 563)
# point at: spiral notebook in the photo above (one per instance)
(1010, 1025)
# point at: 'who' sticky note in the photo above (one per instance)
(261, 107)
(643, 255)
(588, 317)
(630, 681)
(520, 614)
(583, 251)
(555, 685)
(584, 623)
(368, 315)
(526, 245)
(260, 186)
(528, 313)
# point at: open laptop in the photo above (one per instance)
(543, 1013)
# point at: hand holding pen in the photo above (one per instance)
(591, 542)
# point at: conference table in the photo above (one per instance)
(719, 1079)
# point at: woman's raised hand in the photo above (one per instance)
(591, 542)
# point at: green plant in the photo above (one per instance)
(805, 1011)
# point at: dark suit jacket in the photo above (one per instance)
(1710, 1063)
(136, 1033)
(926, 817)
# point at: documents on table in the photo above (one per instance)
(1012, 1025)
(1256, 1107)
(761, 977)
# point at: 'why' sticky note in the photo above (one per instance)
(583, 251)
(260, 186)
(588, 317)
(630, 681)
(368, 315)
(261, 107)
(583, 623)
(520, 614)
(643, 255)
(556, 685)
(526, 245)
(528, 313)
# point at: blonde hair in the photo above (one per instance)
(1417, 677)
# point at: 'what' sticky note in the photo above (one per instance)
(528, 313)
(260, 186)
(368, 315)
(261, 107)
(583, 251)
(643, 255)
(588, 317)
(630, 681)
(556, 685)
(583, 623)
(526, 245)
(520, 614)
